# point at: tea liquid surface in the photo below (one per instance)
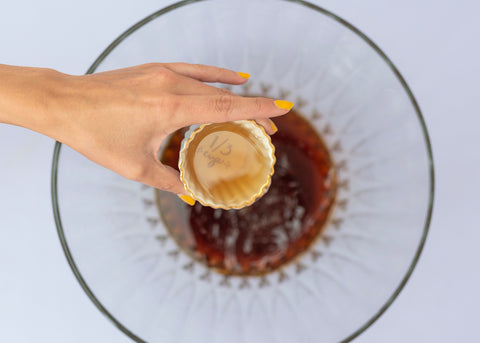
(276, 228)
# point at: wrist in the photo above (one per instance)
(29, 98)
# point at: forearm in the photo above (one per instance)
(28, 98)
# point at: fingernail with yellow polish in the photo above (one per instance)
(188, 199)
(284, 104)
(244, 75)
(274, 127)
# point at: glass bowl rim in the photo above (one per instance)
(146, 20)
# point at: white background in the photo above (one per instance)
(436, 46)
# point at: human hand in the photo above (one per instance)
(119, 118)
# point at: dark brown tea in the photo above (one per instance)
(276, 228)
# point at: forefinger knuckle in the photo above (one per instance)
(259, 105)
(167, 106)
(223, 104)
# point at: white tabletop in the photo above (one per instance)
(435, 44)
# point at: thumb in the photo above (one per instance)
(163, 177)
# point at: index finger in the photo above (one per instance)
(199, 109)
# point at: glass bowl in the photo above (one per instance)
(354, 97)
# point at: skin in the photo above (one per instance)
(118, 119)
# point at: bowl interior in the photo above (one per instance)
(356, 100)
